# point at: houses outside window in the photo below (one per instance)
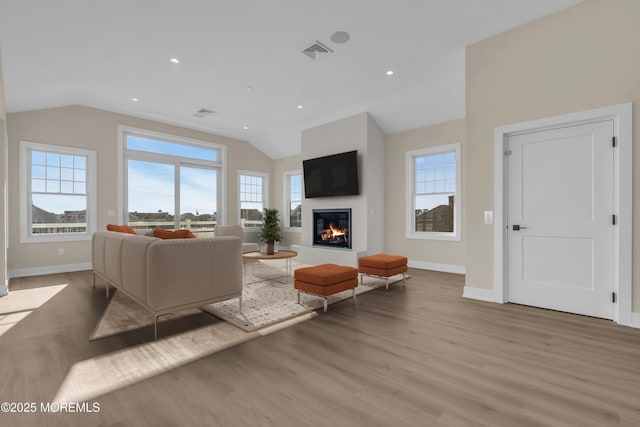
(433, 183)
(253, 197)
(57, 193)
(171, 182)
(292, 212)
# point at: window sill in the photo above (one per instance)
(434, 236)
(54, 238)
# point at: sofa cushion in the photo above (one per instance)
(121, 228)
(169, 234)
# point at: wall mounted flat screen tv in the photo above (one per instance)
(330, 176)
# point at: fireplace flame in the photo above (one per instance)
(337, 231)
(333, 234)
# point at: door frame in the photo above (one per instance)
(622, 116)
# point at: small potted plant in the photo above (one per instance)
(270, 230)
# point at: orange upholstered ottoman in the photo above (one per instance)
(324, 280)
(382, 265)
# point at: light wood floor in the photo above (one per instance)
(414, 356)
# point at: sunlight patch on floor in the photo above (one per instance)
(17, 305)
(94, 377)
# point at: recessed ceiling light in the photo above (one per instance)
(390, 73)
(249, 87)
(300, 107)
(175, 60)
(245, 127)
(135, 99)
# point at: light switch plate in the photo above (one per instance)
(488, 217)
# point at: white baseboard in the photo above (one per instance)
(635, 320)
(445, 268)
(319, 255)
(52, 269)
(480, 294)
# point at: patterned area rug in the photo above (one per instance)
(265, 301)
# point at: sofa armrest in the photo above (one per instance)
(250, 247)
(134, 265)
(98, 252)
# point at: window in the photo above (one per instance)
(433, 182)
(253, 198)
(292, 212)
(57, 191)
(171, 182)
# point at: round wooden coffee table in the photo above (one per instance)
(262, 256)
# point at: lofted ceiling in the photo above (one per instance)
(243, 60)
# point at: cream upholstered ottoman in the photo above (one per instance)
(325, 280)
(382, 265)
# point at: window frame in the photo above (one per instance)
(265, 195)
(287, 199)
(410, 175)
(26, 198)
(176, 161)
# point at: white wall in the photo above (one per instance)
(374, 179)
(444, 255)
(359, 133)
(3, 186)
(84, 127)
(582, 58)
(280, 166)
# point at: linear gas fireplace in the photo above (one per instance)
(332, 228)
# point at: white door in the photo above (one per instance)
(560, 196)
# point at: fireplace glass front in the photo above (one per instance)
(331, 228)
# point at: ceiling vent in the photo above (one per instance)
(316, 48)
(204, 112)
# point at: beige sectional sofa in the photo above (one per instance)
(168, 275)
(237, 231)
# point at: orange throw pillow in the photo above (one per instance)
(168, 234)
(121, 228)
